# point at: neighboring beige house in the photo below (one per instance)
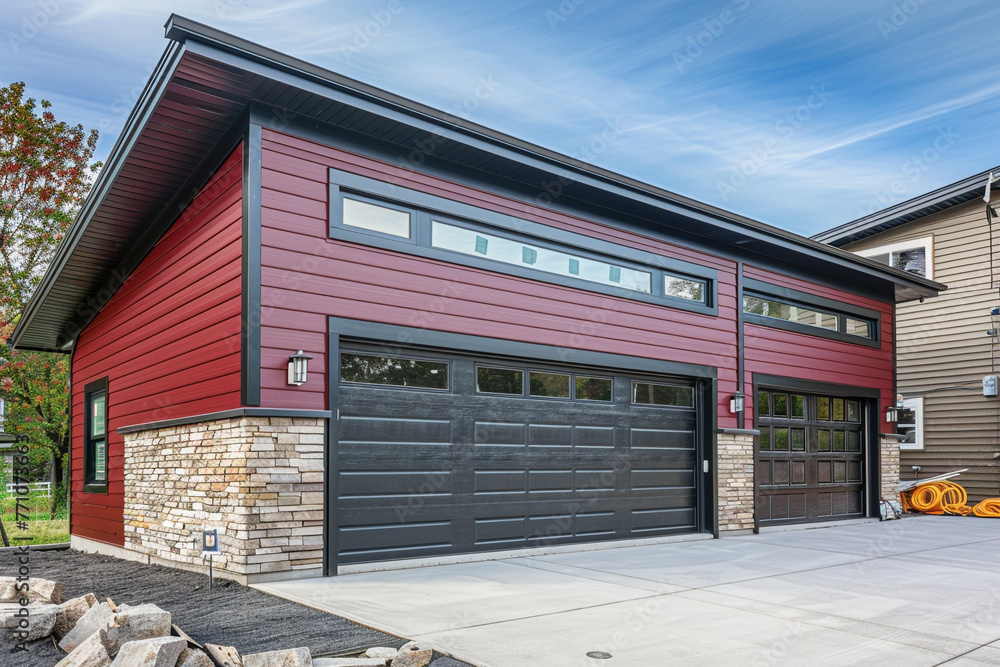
(943, 346)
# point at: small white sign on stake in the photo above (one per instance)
(209, 547)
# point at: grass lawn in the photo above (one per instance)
(38, 526)
(38, 532)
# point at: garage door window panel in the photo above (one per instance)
(549, 385)
(403, 372)
(593, 389)
(650, 393)
(508, 381)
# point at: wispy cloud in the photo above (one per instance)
(684, 124)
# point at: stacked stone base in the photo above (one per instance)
(737, 488)
(889, 458)
(259, 480)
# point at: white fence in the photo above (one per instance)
(44, 487)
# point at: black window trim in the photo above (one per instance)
(89, 453)
(761, 289)
(425, 207)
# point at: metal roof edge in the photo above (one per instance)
(116, 159)
(181, 29)
(888, 218)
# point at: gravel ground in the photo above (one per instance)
(230, 614)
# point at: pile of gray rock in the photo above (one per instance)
(102, 634)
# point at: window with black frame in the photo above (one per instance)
(96, 437)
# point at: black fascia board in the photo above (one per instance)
(265, 62)
(950, 195)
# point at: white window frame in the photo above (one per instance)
(926, 242)
(916, 404)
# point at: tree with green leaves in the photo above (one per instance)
(45, 172)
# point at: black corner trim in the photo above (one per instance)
(331, 536)
(251, 294)
(225, 414)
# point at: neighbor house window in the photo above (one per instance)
(910, 423)
(915, 256)
(96, 436)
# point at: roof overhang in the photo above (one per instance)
(199, 100)
(963, 191)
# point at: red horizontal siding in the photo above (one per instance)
(306, 277)
(168, 340)
(772, 351)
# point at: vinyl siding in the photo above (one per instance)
(944, 352)
(168, 340)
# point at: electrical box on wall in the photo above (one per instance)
(990, 385)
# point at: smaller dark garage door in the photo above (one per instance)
(440, 453)
(811, 457)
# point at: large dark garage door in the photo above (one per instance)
(810, 463)
(444, 454)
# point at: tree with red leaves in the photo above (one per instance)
(45, 172)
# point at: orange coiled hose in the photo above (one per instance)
(988, 508)
(939, 498)
(947, 498)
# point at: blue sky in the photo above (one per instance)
(804, 115)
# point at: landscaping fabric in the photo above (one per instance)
(230, 614)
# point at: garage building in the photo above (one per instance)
(345, 328)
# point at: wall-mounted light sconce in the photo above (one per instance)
(298, 368)
(738, 402)
(891, 414)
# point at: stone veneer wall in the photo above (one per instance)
(258, 479)
(736, 480)
(889, 458)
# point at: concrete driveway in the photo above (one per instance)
(920, 591)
